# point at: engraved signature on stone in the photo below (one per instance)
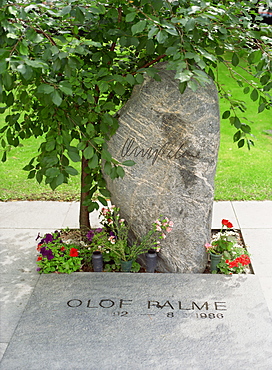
(166, 150)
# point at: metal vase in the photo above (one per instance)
(126, 266)
(215, 259)
(151, 260)
(97, 260)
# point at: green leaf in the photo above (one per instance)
(79, 15)
(10, 99)
(128, 163)
(246, 90)
(93, 162)
(105, 193)
(150, 47)
(88, 152)
(98, 140)
(119, 88)
(235, 121)
(226, 114)
(3, 66)
(235, 59)
(59, 179)
(245, 128)
(66, 10)
(161, 37)
(261, 108)
(93, 206)
(237, 136)
(31, 174)
(130, 16)
(264, 79)
(52, 172)
(102, 201)
(254, 95)
(107, 168)
(50, 145)
(4, 157)
(138, 27)
(241, 143)
(190, 25)
(71, 170)
(139, 78)
(56, 98)
(66, 89)
(74, 156)
(120, 171)
(182, 86)
(105, 154)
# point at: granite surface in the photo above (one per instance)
(143, 321)
(174, 141)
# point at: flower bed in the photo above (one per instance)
(67, 251)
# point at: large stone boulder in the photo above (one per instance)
(174, 141)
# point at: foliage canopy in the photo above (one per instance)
(66, 68)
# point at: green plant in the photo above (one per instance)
(234, 257)
(119, 231)
(67, 67)
(234, 261)
(222, 243)
(56, 256)
(113, 242)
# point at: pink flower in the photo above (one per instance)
(171, 223)
(112, 239)
(169, 229)
(158, 249)
(105, 211)
(163, 236)
(208, 246)
(158, 228)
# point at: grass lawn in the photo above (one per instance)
(241, 174)
(14, 184)
(244, 174)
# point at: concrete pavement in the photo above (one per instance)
(20, 223)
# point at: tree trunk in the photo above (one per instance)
(84, 220)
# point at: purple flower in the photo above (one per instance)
(47, 253)
(90, 235)
(99, 230)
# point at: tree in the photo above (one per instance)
(67, 67)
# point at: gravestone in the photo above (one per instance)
(174, 141)
(110, 321)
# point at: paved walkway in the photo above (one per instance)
(20, 223)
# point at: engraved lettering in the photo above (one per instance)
(167, 303)
(129, 149)
(153, 303)
(220, 306)
(88, 304)
(70, 304)
(181, 308)
(123, 302)
(205, 304)
(106, 303)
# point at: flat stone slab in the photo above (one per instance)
(143, 321)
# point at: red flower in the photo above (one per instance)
(39, 258)
(227, 223)
(73, 252)
(62, 248)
